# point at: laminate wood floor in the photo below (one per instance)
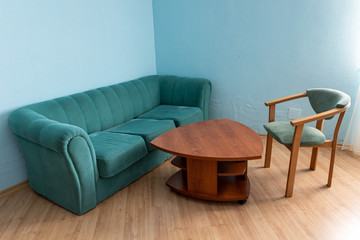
(147, 209)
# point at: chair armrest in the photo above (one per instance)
(315, 117)
(184, 91)
(285, 99)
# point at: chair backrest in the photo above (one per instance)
(324, 99)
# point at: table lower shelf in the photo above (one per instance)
(230, 188)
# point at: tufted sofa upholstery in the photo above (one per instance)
(81, 149)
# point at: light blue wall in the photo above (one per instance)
(253, 51)
(54, 48)
(259, 50)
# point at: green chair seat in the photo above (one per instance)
(116, 151)
(181, 115)
(148, 129)
(283, 132)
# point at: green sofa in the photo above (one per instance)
(81, 149)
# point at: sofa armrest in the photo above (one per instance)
(184, 91)
(48, 133)
(60, 158)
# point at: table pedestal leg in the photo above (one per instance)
(202, 176)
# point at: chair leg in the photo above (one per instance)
(293, 161)
(269, 141)
(315, 151)
(332, 161)
(292, 170)
(314, 156)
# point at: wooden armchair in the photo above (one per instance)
(326, 103)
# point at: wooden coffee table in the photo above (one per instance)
(212, 156)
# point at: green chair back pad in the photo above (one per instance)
(324, 99)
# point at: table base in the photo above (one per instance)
(215, 181)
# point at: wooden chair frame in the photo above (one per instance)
(294, 148)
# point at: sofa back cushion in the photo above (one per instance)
(102, 108)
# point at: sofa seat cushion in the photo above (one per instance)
(148, 129)
(180, 114)
(116, 151)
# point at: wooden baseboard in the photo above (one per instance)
(14, 188)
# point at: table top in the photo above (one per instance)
(219, 139)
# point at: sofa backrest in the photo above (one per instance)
(102, 108)
(185, 91)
